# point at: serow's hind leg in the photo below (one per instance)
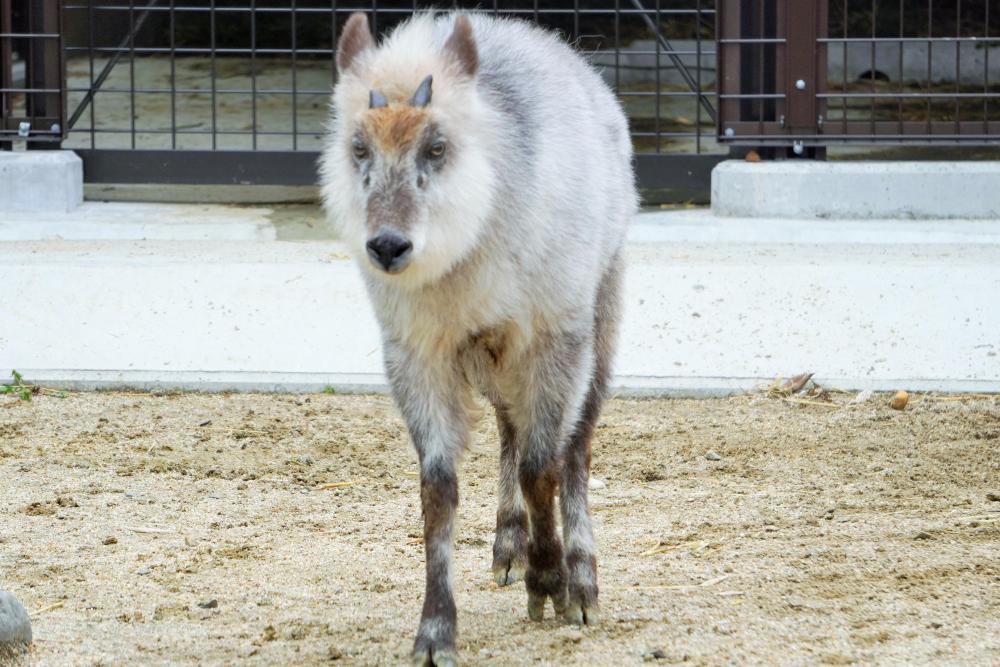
(510, 548)
(555, 385)
(578, 535)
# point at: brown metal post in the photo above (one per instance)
(46, 70)
(804, 66)
(6, 69)
(727, 55)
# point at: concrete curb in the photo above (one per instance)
(856, 190)
(629, 386)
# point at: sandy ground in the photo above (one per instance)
(189, 529)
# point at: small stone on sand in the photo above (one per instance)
(15, 626)
(863, 396)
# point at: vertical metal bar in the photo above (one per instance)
(899, 79)
(253, 73)
(930, 48)
(131, 70)
(958, 63)
(576, 19)
(59, 73)
(45, 72)
(730, 64)
(173, 76)
(986, 72)
(6, 71)
(802, 63)
(843, 89)
(214, 71)
(333, 42)
(697, 77)
(774, 17)
(295, 82)
(618, 50)
(90, 85)
(760, 68)
(871, 66)
(822, 87)
(656, 121)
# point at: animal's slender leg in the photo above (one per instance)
(433, 400)
(578, 535)
(553, 392)
(510, 549)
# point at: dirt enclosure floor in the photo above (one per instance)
(285, 530)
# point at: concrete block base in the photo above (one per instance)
(31, 181)
(857, 190)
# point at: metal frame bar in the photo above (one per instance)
(6, 69)
(680, 176)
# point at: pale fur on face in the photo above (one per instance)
(451, 209)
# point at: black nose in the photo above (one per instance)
(390, 251)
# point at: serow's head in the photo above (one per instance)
(405, 171)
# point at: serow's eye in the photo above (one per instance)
(436, 150)
(359, 149)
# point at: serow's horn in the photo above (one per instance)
(422, 97)
(376, 100)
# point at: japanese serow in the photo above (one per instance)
(481, 173)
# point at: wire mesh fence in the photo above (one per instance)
(257, 74)
(237, 90)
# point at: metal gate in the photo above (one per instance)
(236, 91)
(810, 74)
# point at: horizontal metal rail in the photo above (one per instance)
(677, 11)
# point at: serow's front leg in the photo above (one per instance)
(431, 399)
(435, 642)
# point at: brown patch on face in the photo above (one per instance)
(395, 128)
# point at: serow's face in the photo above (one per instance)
(408, 175)
(397, 152)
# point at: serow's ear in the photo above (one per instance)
(461, 46)
(354, 40)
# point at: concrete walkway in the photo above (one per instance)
(210, 301)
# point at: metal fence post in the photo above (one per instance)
(6, 70)
(804, 66)
(46, 72)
